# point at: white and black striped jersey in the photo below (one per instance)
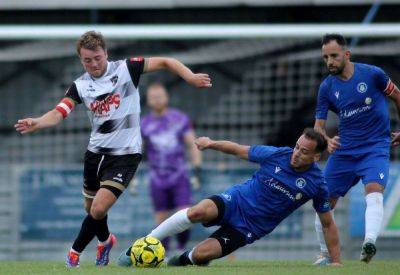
(114, 105)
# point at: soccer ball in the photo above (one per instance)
(147, 252)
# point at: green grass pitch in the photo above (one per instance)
(218, 268)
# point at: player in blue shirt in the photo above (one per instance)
(357, 94)
(287, 178)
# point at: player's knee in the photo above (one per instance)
(98, 211)
(373, 188)
(197, 213)
(203, 255)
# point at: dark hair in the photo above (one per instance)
(334, 37)
(312, 134)
(90, 40)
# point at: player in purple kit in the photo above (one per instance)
(357, 94)
(166, 132)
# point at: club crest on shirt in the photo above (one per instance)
(362, 87)
(227, 196)
(114, 80)
(300, 182)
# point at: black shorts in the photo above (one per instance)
(229, 238)
(111, 172)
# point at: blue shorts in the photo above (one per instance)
(344, 171)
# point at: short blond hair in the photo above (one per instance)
(90, 40)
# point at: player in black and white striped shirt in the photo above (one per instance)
(110, 91)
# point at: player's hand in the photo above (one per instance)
(333, 144)
(395, 139)
(336, 264)
(27, 125)
(200, 80)
(203, 143)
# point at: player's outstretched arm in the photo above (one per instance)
(331, 237)
(333, 143)
(199, 80)
(224, 146)
(49, 119)
(28, 125)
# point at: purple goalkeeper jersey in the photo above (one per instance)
(165, 147)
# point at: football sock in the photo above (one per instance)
(175, 224)
(373, 215)
(320, 234)
(190, 256)
(183, 238)
(86, 234)
(184, 259)
(102, 231)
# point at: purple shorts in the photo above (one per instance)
(171, 197)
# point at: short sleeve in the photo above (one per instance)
(72, 93)
(135, 67)
(321, 112)
(261, 153)
(383, 81)
(321, 200)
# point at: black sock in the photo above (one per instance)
(102, 231)
(86, 234)
(184, 258)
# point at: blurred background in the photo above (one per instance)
(264, 60)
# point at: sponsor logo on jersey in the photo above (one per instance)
(327, 205)
(100, 107)
(300, 182)
(277, 169)
(299, 196)
(362, 87)
(273, 183)
(350, 113)
(381, 175)
(368, 100)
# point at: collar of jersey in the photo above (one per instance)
(351, 78)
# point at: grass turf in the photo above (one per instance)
(218, 268)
